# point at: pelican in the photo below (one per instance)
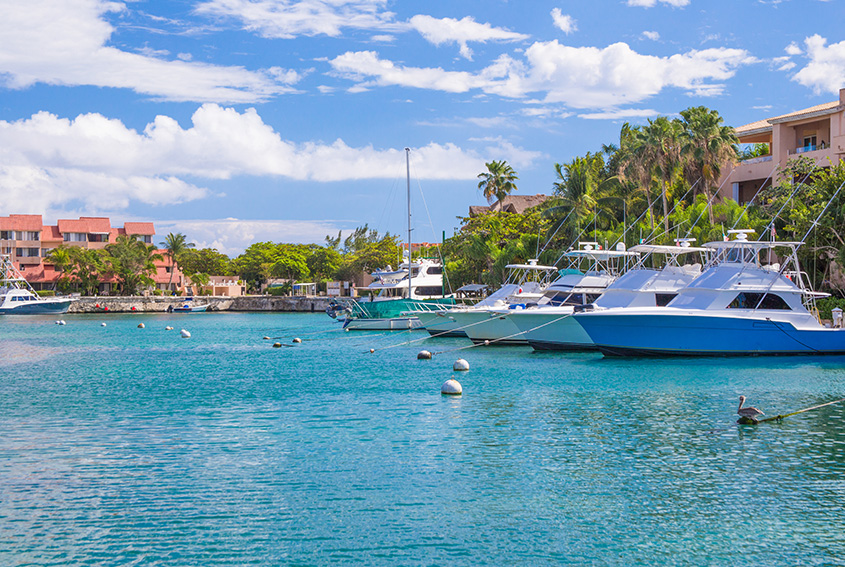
(750, 412)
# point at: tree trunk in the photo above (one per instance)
(665, 208)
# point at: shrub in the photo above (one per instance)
(46, 293)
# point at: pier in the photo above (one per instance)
(159, 304)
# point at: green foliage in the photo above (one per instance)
(82, 269)
(45, 293)
(132, 263)
(206, 260)
(498, 181)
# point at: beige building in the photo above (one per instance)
(817, 132)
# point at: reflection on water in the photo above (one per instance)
(128, 446)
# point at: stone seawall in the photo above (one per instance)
(159, 304)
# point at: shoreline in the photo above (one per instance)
(159, 304)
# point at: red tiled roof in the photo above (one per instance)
(51, 234)
(21, 222)
(139, 228)
(75, 225)
(41, 274)
(97, 225)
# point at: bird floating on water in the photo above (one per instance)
(749, 412)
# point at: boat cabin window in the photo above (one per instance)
(428, 290)
(746, 300)
(741, 255)
(663, 299)
(592, 297)
(434, 270)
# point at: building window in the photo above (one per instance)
(98, 238)
(28, 235)
(27, 252)
(75, 237)
(7, 234)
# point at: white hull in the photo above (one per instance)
(392, 324)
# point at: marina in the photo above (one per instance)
(127, 445)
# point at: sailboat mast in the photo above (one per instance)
(408, 177)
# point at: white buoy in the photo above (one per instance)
(451, 387)
(486, 343)
(185, 334)
(460, 365)
(168, 328)
(62, 322)
(140, 325)
(266, 338)
(372, 350)
(277, 345)
(297, 340)
(424, 355)
(58, 322)
(102, 324)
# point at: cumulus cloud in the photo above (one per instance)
(563, 22)
(825, 71)
(652, 3)
(621, 114)
(286, 19)
(652, 35)
(579, 77)
(98, 164)
(450, 30)
(65, 43)
(232, 236)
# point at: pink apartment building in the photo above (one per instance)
(28, 241)
(817, 132)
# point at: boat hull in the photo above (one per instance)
(483, 326)
(690, 334)
(37, 308)
(552, 329)
(387, 324)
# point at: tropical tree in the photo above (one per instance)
(132, 262)
(708, 144)
(176, 245)
(634, 164)
(661, 140)
(80, 267)
(582, 187)
(498, 181)
(205, 260)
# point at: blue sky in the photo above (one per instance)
(235, 121)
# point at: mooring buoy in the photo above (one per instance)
(277, 345)
(168, 328)
(451, 387)
(424, 355)
(297, 340)
(102, 324)
(185, 334)
(265, 338)
(460, 365)
(140, 325)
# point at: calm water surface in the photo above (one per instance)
(127, 446)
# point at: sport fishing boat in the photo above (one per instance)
(552, 327)
(396, 299)
(738, 306)
(395, 294)
(590, 270)
(18, 298)
(525, 283)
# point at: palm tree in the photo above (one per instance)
(176, 245)
(709, 145)
(634, 165)
(498, 181)
(580, 187)
(661, 144)
(132, 262)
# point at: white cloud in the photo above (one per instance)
(652, 35)
(564, 22)
(825, 71)
(383, 38)
(450, 30)
(64, 43)
(652, 3)
(233, 236)
(793, 49)
(287, 19)
(99, 164)
(620, 114)
(580, 77)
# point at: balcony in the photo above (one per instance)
(758, 159)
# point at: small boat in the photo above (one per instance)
(18, 298)
(189, 307)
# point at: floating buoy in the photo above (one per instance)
(277, 345)
(451, 387)
(185, 334)
(486, 343)
(424, 355)
(297, 340)
(372, 350)
(140, 325)
(460, 365)
(265, 338)
(62, 322)
(102, 324)
(168, 328)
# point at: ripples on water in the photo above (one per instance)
(126, 446)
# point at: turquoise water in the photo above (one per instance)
(127, 446)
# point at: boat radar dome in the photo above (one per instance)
(742, 233)
(684, 242)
